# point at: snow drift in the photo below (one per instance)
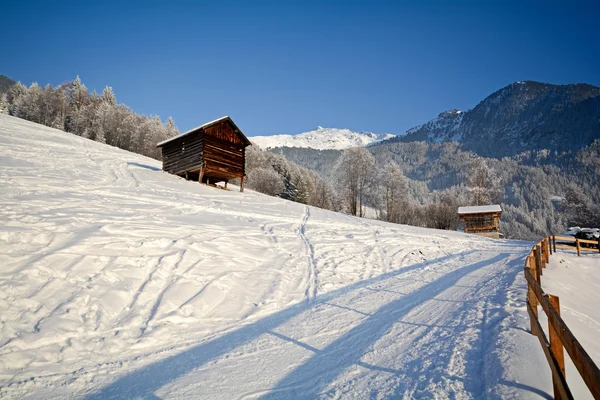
(118, 280)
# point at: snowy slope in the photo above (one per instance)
(120, 281)
(322, 139)
(575, 280)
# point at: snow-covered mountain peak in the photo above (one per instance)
(322, 139)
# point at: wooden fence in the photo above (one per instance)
(560, 336)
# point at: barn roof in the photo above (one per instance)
(480, 209)
(208, 125)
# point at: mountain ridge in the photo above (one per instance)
(322, 139)
(523, 116)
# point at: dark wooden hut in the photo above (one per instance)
(481, 220)
(213, 152)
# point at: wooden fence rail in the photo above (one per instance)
(560, 336)
(578, 244)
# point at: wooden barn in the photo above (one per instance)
(481, 220)
(213, 152)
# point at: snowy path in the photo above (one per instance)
(118, 280)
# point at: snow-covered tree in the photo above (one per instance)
(483, 183)
(579, 209)
(354, 173)
(108, 96)
(14, 95)
(171, 128)
(394, 189)
(4, 103)
(265, 180)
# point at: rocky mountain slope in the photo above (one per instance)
(520, 117)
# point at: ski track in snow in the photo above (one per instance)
(312, 273)
(120, 281)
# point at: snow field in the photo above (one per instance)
(576, 281)
(119, 281)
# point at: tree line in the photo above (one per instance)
(72, 108)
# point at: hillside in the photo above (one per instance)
(118, 280)
(5, 83)
(321, 139)
(523, 116)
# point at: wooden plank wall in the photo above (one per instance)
(183, 155)
(223, 156)
(226, 133)
(473, 222)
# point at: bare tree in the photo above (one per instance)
(394, 191)
(354, 171)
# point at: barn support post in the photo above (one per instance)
(201, 175)
(243, 182)
(226, 184)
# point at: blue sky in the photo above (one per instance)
(288, 66)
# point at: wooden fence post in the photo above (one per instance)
(543, 254)
(598, 244)
(542, 258)
(556, 346)
(554, 242)
(532, 300)
(538, 264)
(578, 248)
(549, 240)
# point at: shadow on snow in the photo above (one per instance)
(324, 366)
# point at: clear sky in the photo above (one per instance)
(288, 66)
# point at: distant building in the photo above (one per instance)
(213, 152)
(481, 220)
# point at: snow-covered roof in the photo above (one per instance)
(206, 125)
(480, 209)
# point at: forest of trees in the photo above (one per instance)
(70, 107)
(360, 186)
(415, 183)
(541, 192)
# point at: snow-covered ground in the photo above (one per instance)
(322, 139)
(576, 281)
(120, 281)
